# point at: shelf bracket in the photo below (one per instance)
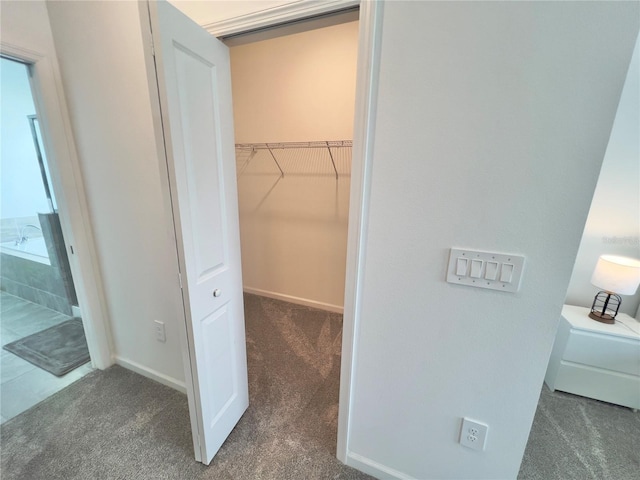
(332, 161)
(246, 163)
(274, 159)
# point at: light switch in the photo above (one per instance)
(507, 273)
(461, 267)
(491, 271)
(476, 268)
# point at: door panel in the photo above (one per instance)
(194, 84)
(217, 332)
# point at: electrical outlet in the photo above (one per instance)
(159, 329)
(473, 434)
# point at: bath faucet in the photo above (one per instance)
(22, 238)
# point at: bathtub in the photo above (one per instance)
(33, 249)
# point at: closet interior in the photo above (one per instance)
(294, 100)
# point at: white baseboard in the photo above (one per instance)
(297, 300)
(152, 374)
(376, 469)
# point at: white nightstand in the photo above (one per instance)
(595, 359)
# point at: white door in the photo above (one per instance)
(194, 83)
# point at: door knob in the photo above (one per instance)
(217, 292)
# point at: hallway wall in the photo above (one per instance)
(500, 113)
(105, 81)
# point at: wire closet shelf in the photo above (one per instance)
(245, 152)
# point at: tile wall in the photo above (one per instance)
(47, 285)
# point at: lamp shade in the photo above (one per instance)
(616, 274)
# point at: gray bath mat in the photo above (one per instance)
(58, 349)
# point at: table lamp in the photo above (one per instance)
(616, 276)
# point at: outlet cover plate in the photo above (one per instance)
(473, 434)
(161, 335)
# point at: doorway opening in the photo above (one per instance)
(294, 94)
(593, 365)
(43, 344)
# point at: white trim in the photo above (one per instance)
(276, 15)
(297, 300)
(364, 129)
(20, 53)
(376, 469)
(66, 178)
(152, 374)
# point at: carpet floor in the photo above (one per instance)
(115, 424)
(578, 438)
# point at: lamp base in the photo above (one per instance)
(604, 318)
(605, 307)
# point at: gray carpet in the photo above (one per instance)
(116, 424)
(579, 438)
(58, 349)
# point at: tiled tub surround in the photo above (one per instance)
(47, 285)
(52, 231)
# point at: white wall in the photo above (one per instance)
(296, 88)
(492, 123)
(101, 58)
(294, 229)
(613, 226)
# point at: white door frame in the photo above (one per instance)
(369, 43)
(370, 35)
(62, 159)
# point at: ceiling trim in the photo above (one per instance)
(273, 16)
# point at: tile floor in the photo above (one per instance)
(22, 384)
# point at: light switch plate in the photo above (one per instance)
(485, 280)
